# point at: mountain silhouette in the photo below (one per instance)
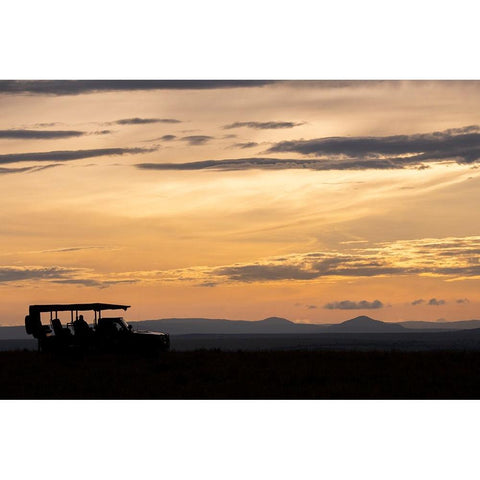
(272, 325)
(364, 324)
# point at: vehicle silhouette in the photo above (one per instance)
(107, 334)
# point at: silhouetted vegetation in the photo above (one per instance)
(213, 374)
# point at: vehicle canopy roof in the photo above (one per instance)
(79, 307)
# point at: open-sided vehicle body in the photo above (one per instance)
(106, 333)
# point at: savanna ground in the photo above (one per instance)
(214, 374)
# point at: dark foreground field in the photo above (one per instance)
(211, 374)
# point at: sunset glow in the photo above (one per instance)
(313, 201)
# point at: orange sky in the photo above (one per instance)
(382, 223)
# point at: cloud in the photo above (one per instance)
(349, 305)
(142, 121)
(197, 139)
(88, 282)
(423, 257)
(418, 301)
(77, 87)
(245, 145)
(73, 249)
(265, 272)
(168, 138)
(37, 168)
(263, 125)
(40, 134)
(449, 258)
(5, 171)
(311, 307)
(463, 300)
(207, 284)
(68, 155)
(435, 302)
(265, 163)
(100, 132)
(15, 273)
(60, 275)
(461, 144)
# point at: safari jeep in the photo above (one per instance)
(107, 334)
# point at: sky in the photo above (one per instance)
(316, 201)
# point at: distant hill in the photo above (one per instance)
(184, 326)
(272, 325)
(13, 333)
(365, 324)
(460, 325)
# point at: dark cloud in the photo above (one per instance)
(245, 145)
(255, 273)
(197, 139)
(12, 274)
(311, 307)
(168, 138)
(142, 121)
(4, 170)
(262, 125)
(55, 274)
(48, 124)
(463, 300)
(419, 301)
(349, 305)
(73, 249)
(207, 284)
(264, 163)
(435, 302)
(68, 155)
(77, 87)
(40, 134)
(355, 153)
(88, 282)
(101, 132)
(462, 144)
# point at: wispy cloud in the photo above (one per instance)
(263, 125)
(40, 134)
(143, 121)
(265, 163)
(195, 140)
(245, 145)
(462, 144)
(4, 170)
(73, 249)
(77, 87)
(450, 258)
(69, 155)
(60, 275)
